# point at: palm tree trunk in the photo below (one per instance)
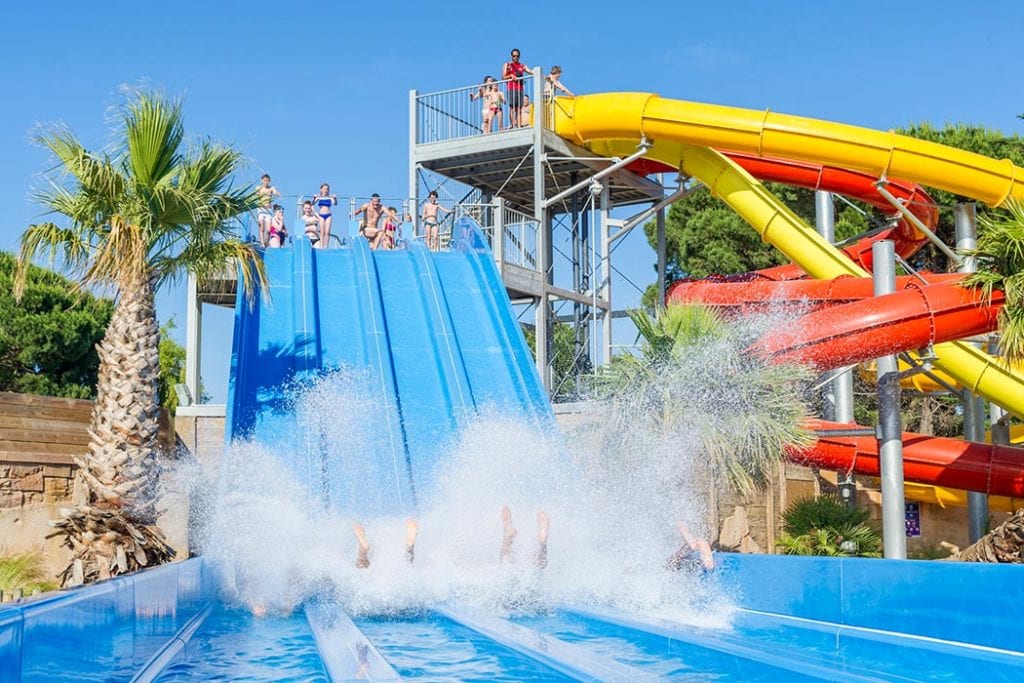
(1005, 543)
(112, 529)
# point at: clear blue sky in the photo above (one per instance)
(315, 91)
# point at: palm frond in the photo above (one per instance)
(1000, 259)
(154, 132)
(46, 238)
(218, 259)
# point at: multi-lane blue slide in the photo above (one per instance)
(431, 335)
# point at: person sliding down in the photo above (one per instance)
(508, 536)
(363, 552)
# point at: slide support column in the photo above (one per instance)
(193, 340)
(541, 319)
(838, 403)
(965, 215)
(606, 270)
(890, 449)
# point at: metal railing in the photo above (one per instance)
(519, 238)
(473, 110)
(518, 230)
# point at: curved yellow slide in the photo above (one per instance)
(684, 132)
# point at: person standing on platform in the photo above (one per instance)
(513, 72)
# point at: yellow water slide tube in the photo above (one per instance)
(683, 133)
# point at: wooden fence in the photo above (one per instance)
(42, 429)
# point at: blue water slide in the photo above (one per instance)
(432, 334)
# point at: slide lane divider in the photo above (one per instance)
(347, 654)
(777, 657)
(155, 665)
(566, 658)
(378, 348)
(446, 344)
(533, 399)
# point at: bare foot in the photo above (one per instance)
(543, 526)
(258, 609)
(508, 535)
(411, 529)
(363, 558)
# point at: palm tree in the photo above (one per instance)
(138, 215)
(1005, 543)
(693, 379)
(1000, 260)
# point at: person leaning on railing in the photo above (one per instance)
(551, 84)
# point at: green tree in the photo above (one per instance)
(138, 215)
(172, 368)
(748, 409)
(566, 365)
(979, 139)
(48, 341)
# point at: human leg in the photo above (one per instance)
(508, 535)
(363, 556)
(325, 235)
(411, 529)
(543, 527)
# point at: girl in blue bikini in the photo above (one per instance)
(323, 202)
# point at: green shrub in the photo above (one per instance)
(24, 571)
(827, 526)
(825, 511)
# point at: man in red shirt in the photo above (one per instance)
(513, 73)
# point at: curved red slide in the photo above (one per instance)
(991, 469)
(846, 324)
(798, 296)
(907, 238)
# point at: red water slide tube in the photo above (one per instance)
(995, 470)
(799, 296)
(907, 238)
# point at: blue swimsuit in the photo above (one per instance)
(321, 203)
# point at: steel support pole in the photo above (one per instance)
(890, 450)
(193, 340)
(662, 248)
(965, 215)
(541, 318)
(837, 393)
(414, 181)
(606, 272)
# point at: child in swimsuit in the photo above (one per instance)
(392, 228)
(492, 99)
(430, 220)
(324, 201)
(264, 212)
(310, 222)
(278, 232)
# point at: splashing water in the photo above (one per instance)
(613, 492)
